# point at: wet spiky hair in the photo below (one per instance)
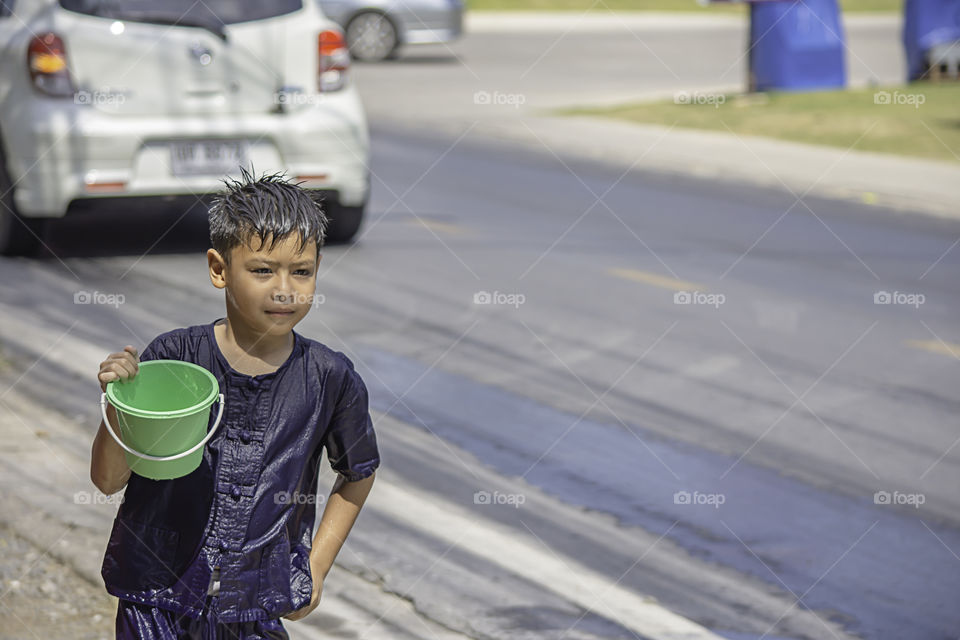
(268, 206)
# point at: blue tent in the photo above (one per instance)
(797, 45)
(927, 23)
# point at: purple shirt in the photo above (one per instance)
(249, 508)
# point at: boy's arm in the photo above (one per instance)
(344, 504)
(109, 471)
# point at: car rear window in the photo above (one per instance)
(190, 11)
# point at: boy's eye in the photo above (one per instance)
(302, 272)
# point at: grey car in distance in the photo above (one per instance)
(376, 29)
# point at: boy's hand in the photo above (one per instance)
(122, 365)
(314, 600)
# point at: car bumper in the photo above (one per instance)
(65, 152)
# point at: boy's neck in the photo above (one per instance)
(270, 349)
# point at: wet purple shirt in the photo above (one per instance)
(250, 506)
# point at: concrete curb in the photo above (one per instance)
(600, 20)
(908, 185)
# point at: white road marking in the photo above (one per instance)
(525, 556)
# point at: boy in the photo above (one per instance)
(226, 551)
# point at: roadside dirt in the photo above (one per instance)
(44, 599)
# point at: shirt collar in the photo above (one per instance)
(261, 380)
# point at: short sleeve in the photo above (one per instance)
(165, 346)
(153, 351)
(350, 440)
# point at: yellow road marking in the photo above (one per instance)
(444, 227)
(935, 346)
(656, 280)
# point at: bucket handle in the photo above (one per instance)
(106, 421)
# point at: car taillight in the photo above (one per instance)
(334, 61)
(47, 61)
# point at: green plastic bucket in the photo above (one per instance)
(163, 414)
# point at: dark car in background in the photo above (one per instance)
(376, 29)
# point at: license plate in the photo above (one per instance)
(207, 157)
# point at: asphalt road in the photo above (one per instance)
(794, 401)
(588, 448)
(578, 62)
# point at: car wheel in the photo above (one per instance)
(19, 236)
(344, 222)
(371, 37)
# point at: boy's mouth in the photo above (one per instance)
(280, 312)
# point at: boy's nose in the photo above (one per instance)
(283, 292)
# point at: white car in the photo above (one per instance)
(133, 99)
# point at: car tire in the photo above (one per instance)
(372, 37)
(19, 236)
(343, 223)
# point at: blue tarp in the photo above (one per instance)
(927, 23)
(797, 45)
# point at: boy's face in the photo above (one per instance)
(269, 291)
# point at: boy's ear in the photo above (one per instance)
(218, 267)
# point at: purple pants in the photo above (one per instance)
(142, 622)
